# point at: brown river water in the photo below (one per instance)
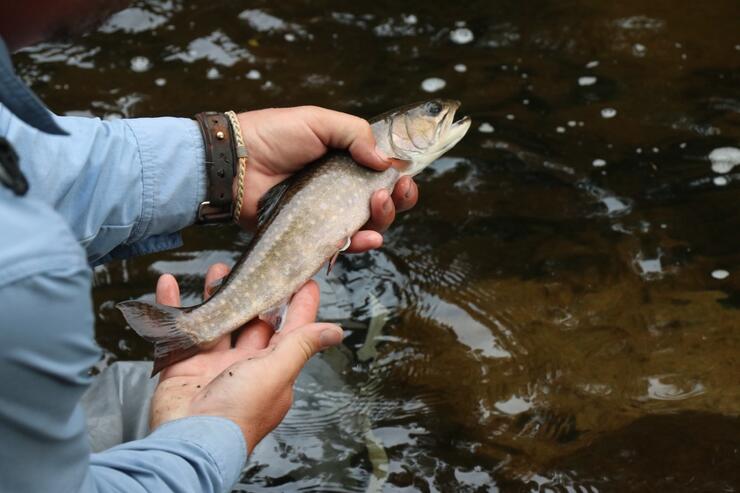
(559, 312)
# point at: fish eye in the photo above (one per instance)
(434, 108)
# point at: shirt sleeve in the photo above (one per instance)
(125, 187)
(46, 351)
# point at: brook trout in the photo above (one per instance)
(302, 223)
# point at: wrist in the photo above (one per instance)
(220, 161)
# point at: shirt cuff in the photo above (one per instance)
(220, 438)
(173, 174)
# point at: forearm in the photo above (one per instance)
(124, 186)
(204, 454)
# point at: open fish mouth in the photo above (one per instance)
(451, 131)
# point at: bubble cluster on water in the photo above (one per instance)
(485, 128)
(433, 84)
(140, 64)
(461, 35)
(639, 50)
(724, 159)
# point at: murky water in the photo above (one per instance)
(561, 308)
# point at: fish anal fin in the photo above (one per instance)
(332, 261)
(276, 315)
(334, 257)
(161, 325)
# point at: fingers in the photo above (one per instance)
(343, 131)
(382, 211)
(405, 194)
(168, 292)
(303, 308)
(297, 347)
(215, 273)
(254, 336)
(365, 240)
(383, 208)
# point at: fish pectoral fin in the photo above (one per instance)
(334, 257)
(160, 324)
(276, 315)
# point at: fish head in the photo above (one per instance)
(419, 133)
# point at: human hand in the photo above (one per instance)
(281, 141)
(251, 383)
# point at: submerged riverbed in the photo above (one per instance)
(559, 312)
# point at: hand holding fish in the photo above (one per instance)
(250, 383)
(304, 221)
(281, 141)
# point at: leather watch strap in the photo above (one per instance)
(220, 167)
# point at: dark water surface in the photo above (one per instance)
(562, 306)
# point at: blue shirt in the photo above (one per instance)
(108, 189)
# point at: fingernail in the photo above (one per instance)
(407, 193)
(330, 337)
(381, 155)
(387, 205)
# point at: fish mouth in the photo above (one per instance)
(451, 132)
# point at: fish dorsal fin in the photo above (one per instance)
(267, 205)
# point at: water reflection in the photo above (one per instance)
(560, 310)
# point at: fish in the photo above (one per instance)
(303, 222)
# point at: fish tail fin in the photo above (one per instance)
(160, 324)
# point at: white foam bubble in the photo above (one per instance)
(720, 274)
(560, 130)
(486, 128)
(720, 181)
(586, 80)
(724, 159)
(638, 49)
(510, 116)
(608, 113)
(433, 84)
(598, 163)
(461, 67)
(140, 64)
(254, 74)
(161, 81)
(213, 73)
(592, 64)
(461, 35)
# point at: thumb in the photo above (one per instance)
(343, 131)
(293, 352)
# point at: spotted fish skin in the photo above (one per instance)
(327, 204)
